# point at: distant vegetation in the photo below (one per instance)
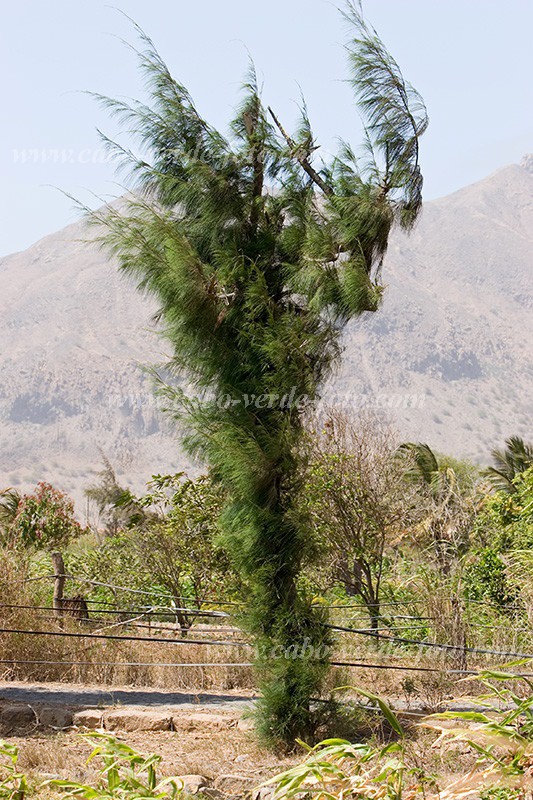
(405, 543)
(388, 526)
(373, 506)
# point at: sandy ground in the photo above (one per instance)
(219, 744)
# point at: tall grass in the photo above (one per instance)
(105, 662)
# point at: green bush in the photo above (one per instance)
(485, 579)
(44, 520)
(13, 784)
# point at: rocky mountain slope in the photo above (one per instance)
(449, 355)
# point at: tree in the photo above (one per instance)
(448, 497)
(502, 567)
(258, 255)
(510, 462)
(167, 548)
(177, 547)
(115, 505)
(44, 520)
(506, 518)
(357, 500)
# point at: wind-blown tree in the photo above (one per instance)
(258, 255)
(450, 502)
(516, 458)
(110, 499)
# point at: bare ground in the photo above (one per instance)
(87, 696)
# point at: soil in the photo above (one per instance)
(86, 696)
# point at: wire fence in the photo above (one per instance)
(165, 611)
(152, 617)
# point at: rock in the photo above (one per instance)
(193, 784)
(89, 718)
(14, 717)
(55, 717)
(192, 721)
(126, 719)
(245, 724)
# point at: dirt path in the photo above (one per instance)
(84, 696)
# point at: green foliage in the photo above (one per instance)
(114, 561)
(508, 516)
(9, 504)
(177, 548)
(13, 784)
(501, 733)
(500, 793)
(485, 579)
(516, 458)
(168, 548)
(438, 470)
(337, 768)
(44, 520)
(257, 257)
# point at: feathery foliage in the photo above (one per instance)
(510, 463)
(257, 255)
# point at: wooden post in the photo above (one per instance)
(59, 583)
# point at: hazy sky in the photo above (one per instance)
(470, 59)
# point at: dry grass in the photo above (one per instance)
(107, 660)
(230, 758)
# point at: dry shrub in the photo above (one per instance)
(105, 661)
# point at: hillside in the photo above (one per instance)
(454, 336)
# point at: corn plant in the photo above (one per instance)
(125, 774)
(337, 769)
(13, 784)
(501, 732)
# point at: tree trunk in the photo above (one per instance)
(59, 584)
(374, 614)
(292, 643)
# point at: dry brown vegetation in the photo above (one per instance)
(228, 757)
(105, 661)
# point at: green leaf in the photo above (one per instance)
(387, 712)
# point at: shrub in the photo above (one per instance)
(486, 579)
(44, 520)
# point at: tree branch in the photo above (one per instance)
(301, 157)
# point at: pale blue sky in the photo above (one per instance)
(470, 59)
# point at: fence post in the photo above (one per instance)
(58, 566)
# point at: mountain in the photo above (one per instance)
(455, 330)
(448, 355)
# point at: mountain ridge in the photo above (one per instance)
(454, 331)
